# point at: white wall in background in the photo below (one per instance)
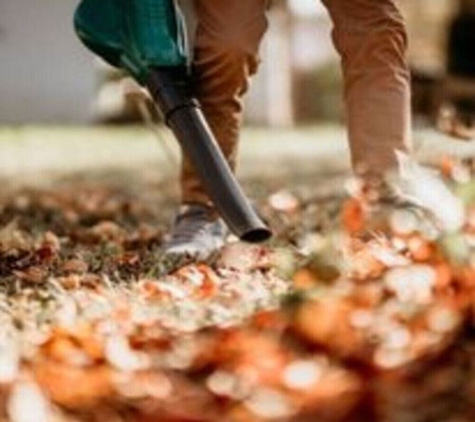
(45, 74)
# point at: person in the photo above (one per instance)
(370, 37)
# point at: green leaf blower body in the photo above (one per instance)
(135, 35)
(146, 38)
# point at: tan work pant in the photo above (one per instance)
(371, 39)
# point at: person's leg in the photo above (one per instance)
(225, 57)
(371, 38)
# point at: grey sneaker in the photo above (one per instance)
(196, 233)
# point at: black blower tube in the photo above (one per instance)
(170, 90)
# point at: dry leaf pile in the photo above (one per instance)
(360, 310)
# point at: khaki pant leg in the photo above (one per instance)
(370, 36)
(225, 57)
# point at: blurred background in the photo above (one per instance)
(47, 77)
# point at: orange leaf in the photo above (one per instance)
(353, 216)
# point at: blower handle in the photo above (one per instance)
(169, 87)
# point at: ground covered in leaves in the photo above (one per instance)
(361, 308)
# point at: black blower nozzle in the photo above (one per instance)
(170, 89)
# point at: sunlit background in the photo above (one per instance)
(61, 107)
(46, 76)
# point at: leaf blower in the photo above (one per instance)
(146, 38)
